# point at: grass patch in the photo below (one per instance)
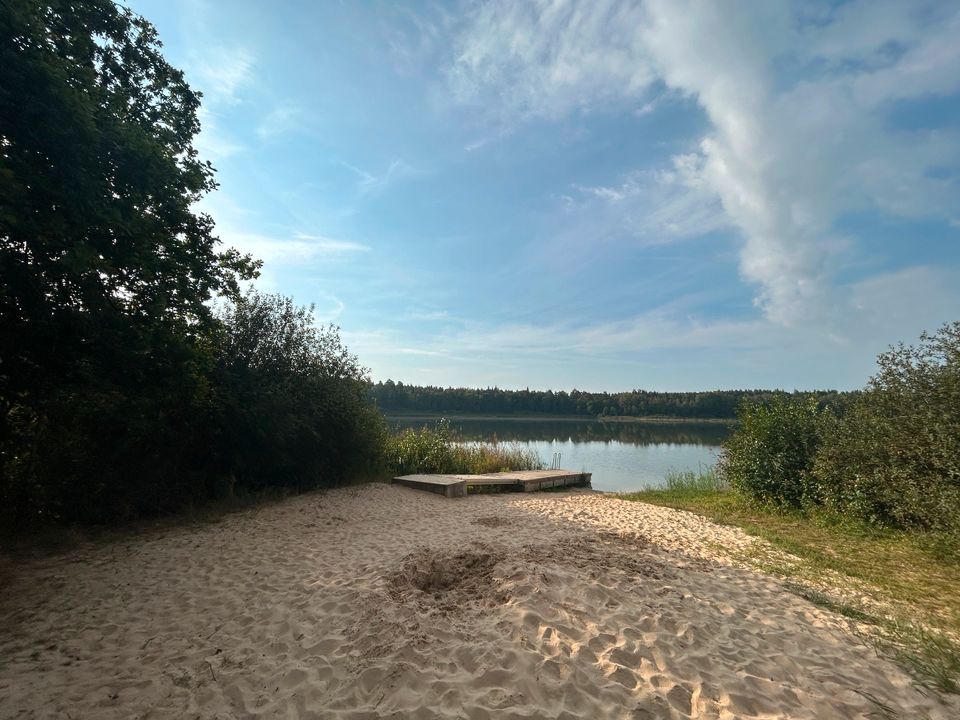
(904, 584)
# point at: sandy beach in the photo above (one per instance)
(380, 601)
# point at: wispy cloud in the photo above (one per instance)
(414, 38)
(654, 205)
(799, 102)
(221, 72)
(282, 120)
(372, 184)
(213, 143)
(428, 315)
(420, 352)
(327, 308)
(750, 351)
(293, 249)
(522, 60)
(290, 247)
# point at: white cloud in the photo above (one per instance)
(212, 142)
(328, 309)
(546, 58)
(798, 97)
(749, 352)
(372, 184)
(220, 72)
(294, 249)
(654, 205)
(281, 120)
(285, 248)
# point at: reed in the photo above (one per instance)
(439, 450)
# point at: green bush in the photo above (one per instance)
(894, 457)
(437, 450)
(293, 407)
(271, 401)
(770, 454)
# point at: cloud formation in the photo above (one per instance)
(287, 250)
(545, 59)
(372, 184)
(801, 99)
(220, 74)
(280, 121)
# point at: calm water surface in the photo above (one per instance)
(621, 456)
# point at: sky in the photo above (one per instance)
(667, 195)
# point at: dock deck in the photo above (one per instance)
(521, 481)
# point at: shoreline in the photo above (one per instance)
(612, 419)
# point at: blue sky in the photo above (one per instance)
(603, 195)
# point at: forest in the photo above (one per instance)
(396, 398)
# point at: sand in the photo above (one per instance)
(382, 601)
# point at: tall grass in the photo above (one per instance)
(680, 485)
(438, 450)
(695, 483)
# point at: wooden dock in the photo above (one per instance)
(522, 481)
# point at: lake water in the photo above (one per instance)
(621, 456)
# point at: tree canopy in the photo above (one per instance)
(100, 243)
(122, 391)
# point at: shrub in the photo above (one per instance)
(894, 457)
(293, 407)
(770, 454)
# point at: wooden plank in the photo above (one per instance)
(523, 481)
(447, 485)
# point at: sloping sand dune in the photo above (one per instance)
(381, 601)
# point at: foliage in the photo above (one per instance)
(291, 400)
(770, 455)
(103, 258)
(121, 392)
(437, 450)
(398, 398)
(106, 268)
(894, 459)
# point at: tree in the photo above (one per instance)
(99, 241)
(106, 267)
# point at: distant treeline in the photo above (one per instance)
(395, 397)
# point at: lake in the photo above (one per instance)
(621, 456)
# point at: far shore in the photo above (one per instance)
(647, 419)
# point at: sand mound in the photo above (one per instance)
(492, 521)
(382, 602)
(451, 580)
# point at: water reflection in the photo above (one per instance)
(621, 456)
